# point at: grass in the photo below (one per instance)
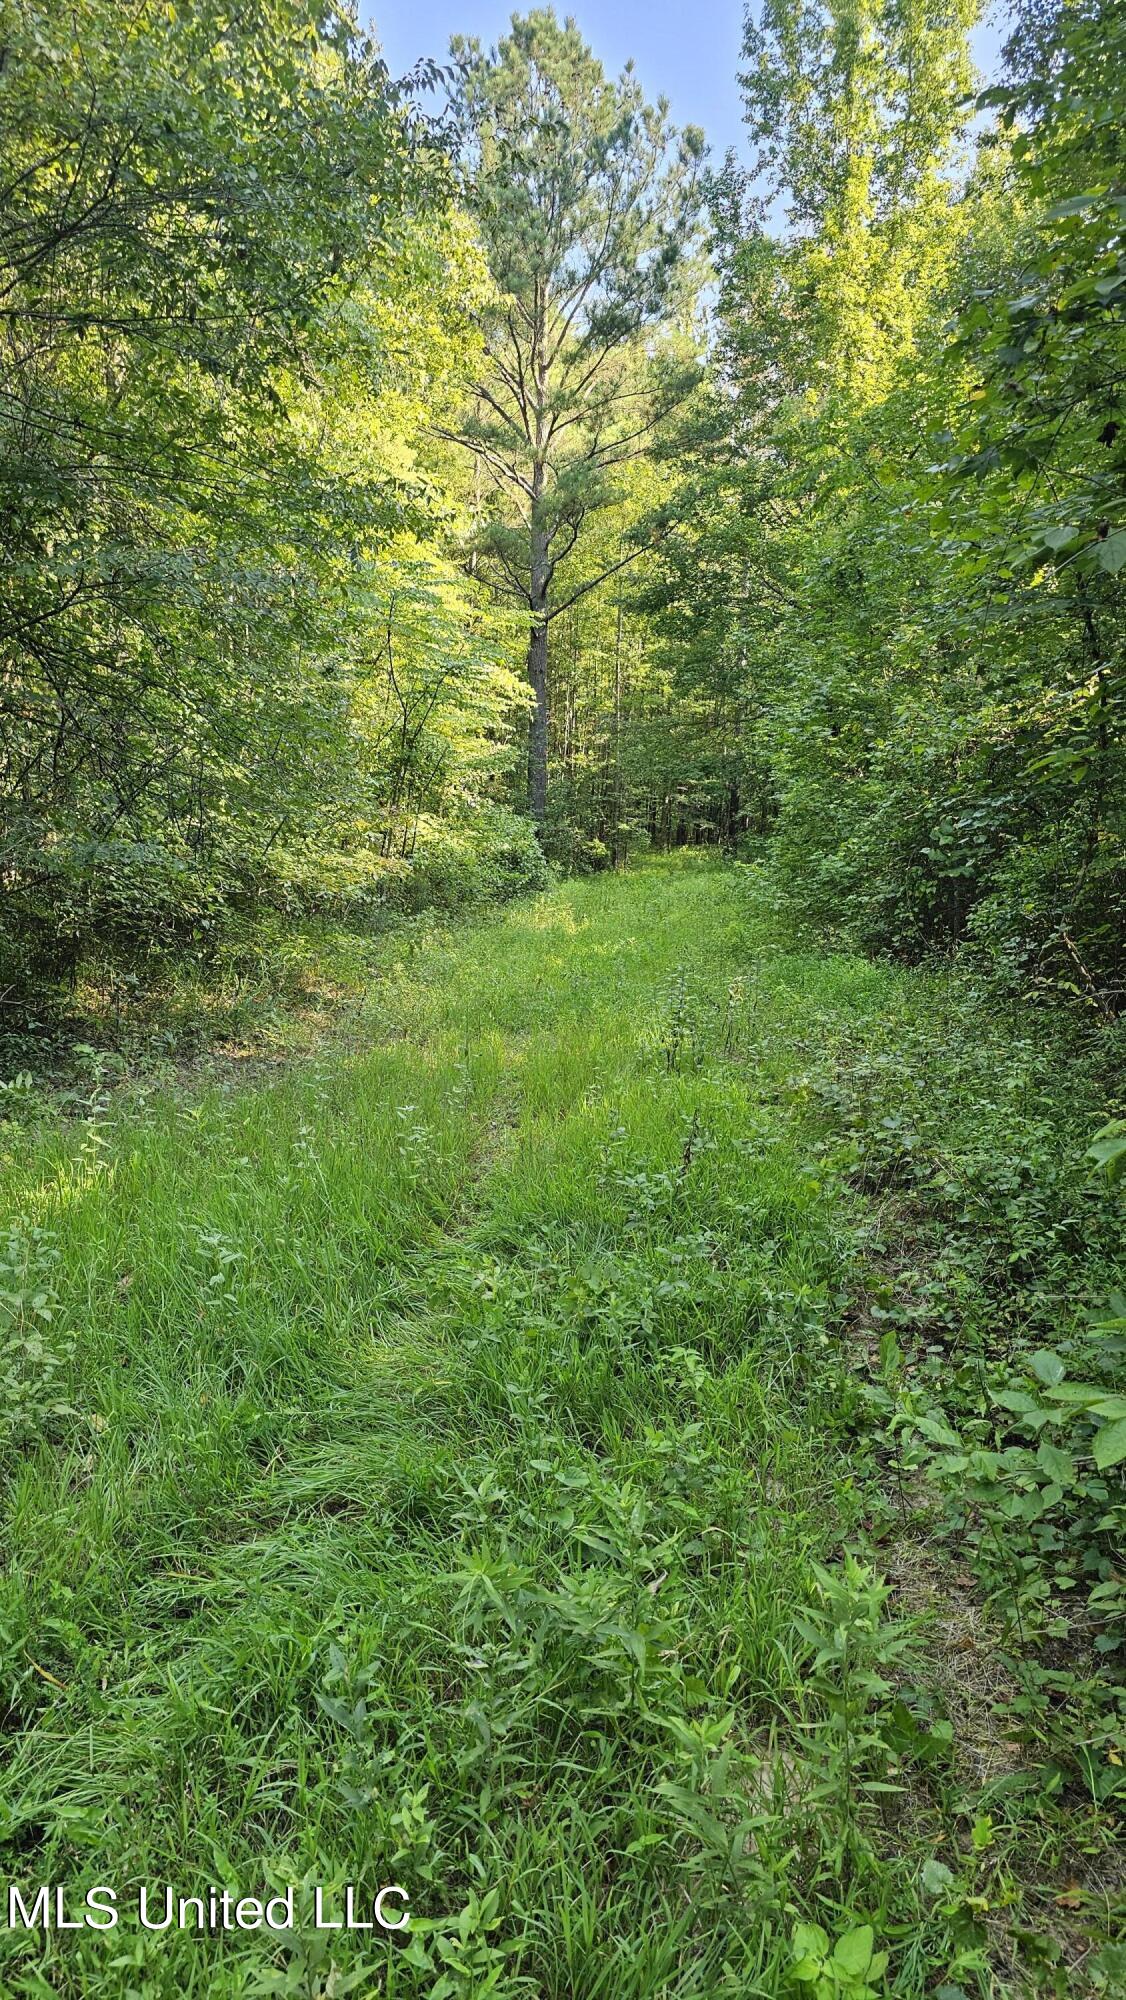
(453, 1463)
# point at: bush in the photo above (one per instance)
(936, 831)
(1054, 921)
(487, 857)
(122, 901)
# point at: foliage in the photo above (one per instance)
(33, 1356)
(903, 533)
(989, 1328)
(850, 1968)
(238, 662)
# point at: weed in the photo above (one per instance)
(35, 1352)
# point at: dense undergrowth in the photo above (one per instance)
(261, 982)
(558, 1451)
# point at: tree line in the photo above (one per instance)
(909, 519)
(404, 482)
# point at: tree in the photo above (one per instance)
(911, 529)
(237, 659)
(854, 106)
(586, 204)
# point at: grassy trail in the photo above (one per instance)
(456, 1426)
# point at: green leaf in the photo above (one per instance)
(1108, 1147)
(853, 1952)
(1110, 1444)
(809, 1941)
(1074, 205)
(1047, 1367)
(1111, 555)
(936, 1877)
(1022, 1405)
(1059, 1465)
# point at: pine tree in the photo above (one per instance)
(586, 202)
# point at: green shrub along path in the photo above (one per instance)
(477, 1460)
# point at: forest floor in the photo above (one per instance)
(456, 1460)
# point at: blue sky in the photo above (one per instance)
(685, 50)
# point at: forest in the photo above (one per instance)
(563, 1007)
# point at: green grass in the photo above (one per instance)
(434, 1483)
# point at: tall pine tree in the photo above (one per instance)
(586, 201)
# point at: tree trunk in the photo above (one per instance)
(537, 734)
(537, 675)
(617, 806)
(539, 573)
(733, 808)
